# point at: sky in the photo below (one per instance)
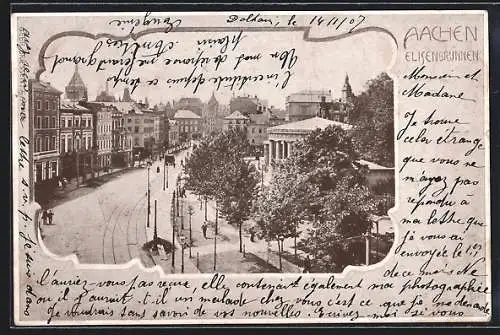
(319, 65)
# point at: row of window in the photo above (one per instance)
(45, 170)
(189, 129)
(46, 104)
(45, 143)
(104, 144)
(104, 128)
(45, 122)
(69, 122)
(67, 143)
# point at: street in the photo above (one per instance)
(108, 225)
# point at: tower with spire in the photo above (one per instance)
(105, 96)
(346, 91)
(76, 89)
(126, 95)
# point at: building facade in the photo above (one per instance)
(189, 124)
(104, 137)
(281, 138)
(247, 105)
(44, 108)
(194, 105)
(173, 133)
(306, 104)
(236, 120)
(76, 140)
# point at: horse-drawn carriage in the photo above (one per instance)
(170, 160)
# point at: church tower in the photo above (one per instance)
(126, 95)
(76, 89)
(346, 91)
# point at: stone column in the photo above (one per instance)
(280, 150)
(266, 153)
(290, 148)
(272, 144)
(285, 149)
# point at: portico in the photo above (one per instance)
(282, 138)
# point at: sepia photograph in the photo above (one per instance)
(231, 185)
(250, 167)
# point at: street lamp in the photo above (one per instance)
(234, 207)
(149, 196)
(367, 241)
(183, 244)
(172, 218)
(190, 212)
(165, 170)
(281, 238)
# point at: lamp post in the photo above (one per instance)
(234, 207)
(172, 218)
(215, 251)
(182, 241)
(190, 212)
(149, 196)
(155, 235)
(367, 241)
(280, 249)
(165, 171)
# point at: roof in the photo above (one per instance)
(259, 118)
(122, 106)
(69, 105)
(76, 80)
(373, 166)
(186, 114)
(308, 125)
(310, 96)
(236, 115)
(40, 85)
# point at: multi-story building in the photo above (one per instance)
(194, 105)
(44, 103)
(104, 137)
(209, 116)
(247, 105)
(122, 141)
(141, 126)
(173, 133)
(307, 104)
(76, 140)
(236, 120)
(257, 129)
(189, 124)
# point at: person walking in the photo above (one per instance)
(204, 227)
(50, 215)
(44, 216)
(252, 234)
(307, 265)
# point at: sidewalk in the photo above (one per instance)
(71, 190)
(228, 239)
(164, 224)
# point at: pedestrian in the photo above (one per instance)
(252, 234)
(307, 265)
(50, 215)
(204, 227)
(44, 216)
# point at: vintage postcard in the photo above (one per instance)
(250, 167)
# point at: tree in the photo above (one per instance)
(373, 119)
(321, 185)
(217, 170)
